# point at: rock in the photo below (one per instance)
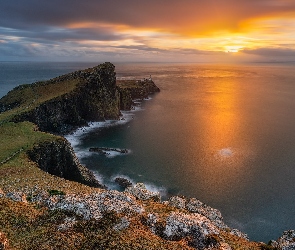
(95, 205)
(58, 158)
(104, 151)
(214, 215)
(238, 233)
(135, 90)
(69, 222)
(3, 241)
(141, 193)
(152, 221)
(286, 241)
(195, 227)
(123, 224)
(176, 201)
(124, 183)
(17, 196)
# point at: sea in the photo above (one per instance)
(224, 134)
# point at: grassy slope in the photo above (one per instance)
(127, 84)
(29, 96)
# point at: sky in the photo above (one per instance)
(148, 31)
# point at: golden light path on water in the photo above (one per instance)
(222, 123)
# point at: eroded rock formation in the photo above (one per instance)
(58, 158)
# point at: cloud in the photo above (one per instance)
(189, 16)
(195, 28)
(272, 52)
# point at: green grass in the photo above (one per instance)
(28, 96)
(17, 137)
(127, 84)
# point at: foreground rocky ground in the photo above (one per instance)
(32, 218)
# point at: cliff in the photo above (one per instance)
(64, 103)
(57, 157)
(134, 89)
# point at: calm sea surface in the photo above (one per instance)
(221, 133)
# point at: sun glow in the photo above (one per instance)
(233, 48)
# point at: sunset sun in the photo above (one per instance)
(232, 48)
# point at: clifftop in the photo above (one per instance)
(44, 203)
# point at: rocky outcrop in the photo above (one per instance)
(95, 98)
(105, 151)
(135, 89)
(93, 206)
(141, 215)
(143, 89)
(286, 241)
(125, 98)
(58, 158)
(196, 227)
(195, 206)
(124, 183)
(141, 193)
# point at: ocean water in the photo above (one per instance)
(224, 134)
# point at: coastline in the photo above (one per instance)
(184, 221)
(76, 136)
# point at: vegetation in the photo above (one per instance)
(18, 137)
(28, 96)
(127, 84)
(56, 192)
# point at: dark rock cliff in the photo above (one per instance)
(58, 158)
(135, 89)
(95, 98)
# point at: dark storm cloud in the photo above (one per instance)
(172, 15)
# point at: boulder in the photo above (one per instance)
(124, 183)
(122, 224)
(195, 227)
(176, 201)
(141, 193)
(195, 206)
(69, 222)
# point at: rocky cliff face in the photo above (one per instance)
(58, 158)
(135, 89)
(95, 98)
